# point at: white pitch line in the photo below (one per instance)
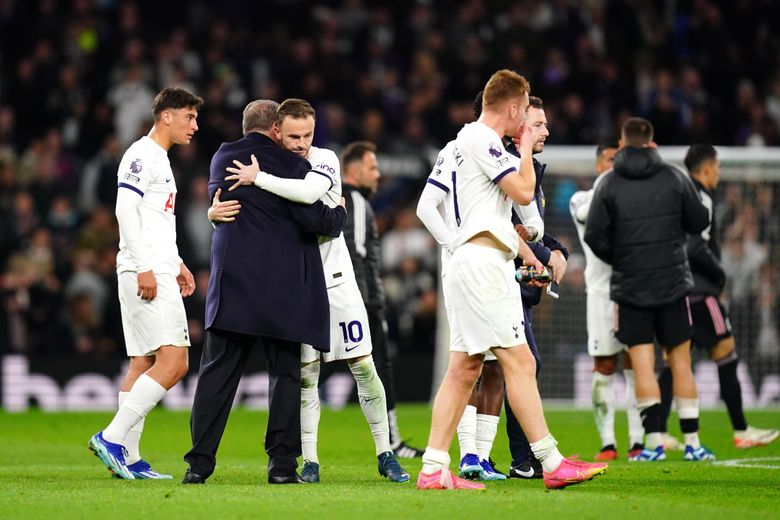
(747, 463)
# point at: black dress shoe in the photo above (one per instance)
(285, 479)
(193, 478)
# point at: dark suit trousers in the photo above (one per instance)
(519, 446)
(222, 363)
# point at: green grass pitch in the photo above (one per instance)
(46, 471)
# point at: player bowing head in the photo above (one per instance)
(506, 96)
(294, 126)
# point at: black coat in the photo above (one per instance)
(362, 237)
(266, 270)
(704, 253)
(638, 222)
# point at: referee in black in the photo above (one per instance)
(640, 216)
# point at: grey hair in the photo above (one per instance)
(259, 115)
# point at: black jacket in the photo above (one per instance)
(704, 253)
(638, 222)
(362, 238)
(266, 269)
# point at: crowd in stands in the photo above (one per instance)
(77, 79)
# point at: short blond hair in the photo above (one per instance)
(503, 86)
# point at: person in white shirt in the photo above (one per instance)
(478, 427)
(350, 335)
(483, 294)
(153, 279)
(603, 346)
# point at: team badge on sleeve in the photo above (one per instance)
(497, 152)
(136, 166)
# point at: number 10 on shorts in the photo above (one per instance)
(352, 331)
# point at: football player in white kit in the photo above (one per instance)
(350, 335)
(152, 281)
(483, 294)
(478, 427)
(603, 346)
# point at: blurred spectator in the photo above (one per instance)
(77, 80)
(195, 240)
(407, 240)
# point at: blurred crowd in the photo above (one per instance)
(77, 79)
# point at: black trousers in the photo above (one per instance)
(221, 365)
(381, 354)
(519, 446)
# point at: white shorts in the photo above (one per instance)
(601, 326)
(151, 325)
(489, 356)
(350, 336)
(485, 309)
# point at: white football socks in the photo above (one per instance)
(133, 437)
(371, 394)
(435, 460)
(688, 408)
(144, 396)
(310, 410)
(636, 432)
(545, 450)
(467, 431)
(487, 426)
(603, 396)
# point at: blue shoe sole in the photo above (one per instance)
(101, 453)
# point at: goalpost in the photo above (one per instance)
(747, 210)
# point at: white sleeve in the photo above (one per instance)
(127, 206)
(532, 220)
(489, 153)
(427, 211)
(579, 205)
(306, 191)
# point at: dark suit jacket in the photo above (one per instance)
(266, 270)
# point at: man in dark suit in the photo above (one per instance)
(267, 286)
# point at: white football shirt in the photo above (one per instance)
(146, 170)
(441, 180)
(335, 255)
(597, 272)
(478, 203)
